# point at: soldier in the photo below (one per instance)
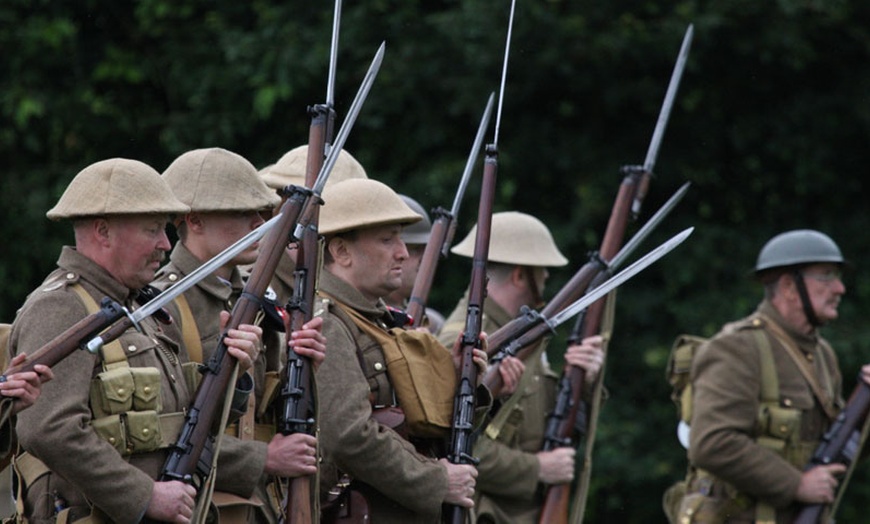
(766, 388)
(290, 170)
(512, 466)
(227, 200)
(97, 439)
(415, 237)
(361, 221)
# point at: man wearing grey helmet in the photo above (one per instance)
(512, 466)
(765, 390)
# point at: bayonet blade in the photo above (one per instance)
(651, 224)
(472, 156)
(614, 281)
(333, 56)
(670, 95)
(507, 52)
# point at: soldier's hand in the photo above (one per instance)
(310, 342)
(292, 455)
(243, 343)
(819, 484)
(25, 386)
(511, 370)
(478, 355)
(865, 373)
(171, 501)
(461, 479)
(556, 466)
(588, 356)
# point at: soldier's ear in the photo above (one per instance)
(194, 222)
(339, 251)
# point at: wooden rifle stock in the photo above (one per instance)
(440, 235)
(840, 444)
(297, 413)
(186, 460)
(67, 342)
(461, 443)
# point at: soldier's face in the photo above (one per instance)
(137, 245)
(223, 229)
(824, 288)
(376, 257)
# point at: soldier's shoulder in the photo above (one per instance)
(166, 276)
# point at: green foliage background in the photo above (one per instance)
(770, 126)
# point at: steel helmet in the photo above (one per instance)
(214, 179)
(418, 232)
(516, 238)
(290, 169)
(798, 247)
(118, 186)
(360, 203)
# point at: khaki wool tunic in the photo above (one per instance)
(402, 485)
(241, 463)
(726, 377)
(507, 481)
(57, 428)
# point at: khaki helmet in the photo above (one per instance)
(290, 169)
(418, 232)
(360, 203)
(215, 179)
(798, 247)
(118, 186)
(516, 238)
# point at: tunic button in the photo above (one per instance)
(131, 348)
(146, 431)
(786, 402)
(810, 357)
(756, 322)
(70, 276)
(120, 391)
(112, 440)
(783, 429)
(172, 378)
(173, 277)
(230, 303)
(378, 366)
(147, 389)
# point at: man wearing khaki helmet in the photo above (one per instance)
(362, 221)
(512, 465)
(290, 170)
(227, 199)
(77, 458)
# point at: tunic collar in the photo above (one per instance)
(186, 262)
(73, 261)
(805, 341)
(350, 296)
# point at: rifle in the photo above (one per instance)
(629, 199)
(461, 442)
(87, 334)
(442, 232)
(521, 346)
(555, 508)
(841, 444)
(189, 459)
(298, 411)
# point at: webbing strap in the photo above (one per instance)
(113, 353)
(493, 429)
(189, 331)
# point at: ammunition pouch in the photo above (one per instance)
(123, 389)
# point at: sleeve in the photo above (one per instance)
(57, 430)
(360, 446)
(504, 471)
(240, 465)
(726, 377)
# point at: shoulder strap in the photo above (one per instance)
(113, 353)
(769, 378)
(824, 395)
(189, 331)
(493, 429)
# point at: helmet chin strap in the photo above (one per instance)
(805, 298)
(537, 299)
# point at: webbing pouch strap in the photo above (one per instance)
(113, 353)
(189, 330)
